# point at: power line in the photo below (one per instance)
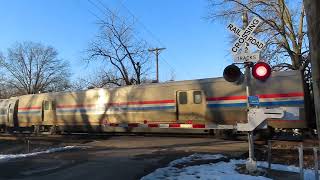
(94, 4)
(186, 73)
(95, 15)
(104, 6)
(144, 26)
(140, 22)
(134, 35)
(166, 62)
(152, 35)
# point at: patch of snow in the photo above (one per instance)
(308, 173)
(6, 157)
(218, 171)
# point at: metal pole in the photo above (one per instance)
(250, 133)
(300, 149)
(316, 165)
(251, 146)
(157, 61)
(251, 164)
(269, 154)
(28, 145)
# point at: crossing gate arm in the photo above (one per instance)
(256, 116)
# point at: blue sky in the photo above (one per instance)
(196, 48)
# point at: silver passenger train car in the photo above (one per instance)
(184, 106)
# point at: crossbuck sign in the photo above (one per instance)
(245, 36)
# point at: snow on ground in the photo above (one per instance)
(217, 171)
(308, 173)
(6, 157)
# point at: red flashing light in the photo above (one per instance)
(261, 71)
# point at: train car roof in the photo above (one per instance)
(163, 84)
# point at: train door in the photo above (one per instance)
(12, 114)
(48, 112)
(191, 105)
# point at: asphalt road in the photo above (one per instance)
(120, 157)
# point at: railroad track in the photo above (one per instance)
(90, 136)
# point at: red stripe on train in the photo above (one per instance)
(133, 124)
(114, 124)
(29, 108)
(174, 125)
(284, 120)
(226, 98)
(153, 125)
(143, 102)
(294, 94)
(76, 106)
(198, 126)
(119, 104)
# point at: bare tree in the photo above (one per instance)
(32, 68)
(125, 55)
(284, 31)
(101, 79)
(98, 79)
(6, 91)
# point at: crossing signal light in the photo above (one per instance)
(233, 74)
(261, 71)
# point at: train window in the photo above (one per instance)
(46, 105)
(183, 98)
(197, 98)
(53, 105)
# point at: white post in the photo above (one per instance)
(316, 165)
(28, 146)
(300, 149)
(251, 164)
(269, 154)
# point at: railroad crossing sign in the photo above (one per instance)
(246, 57)
(245, 36)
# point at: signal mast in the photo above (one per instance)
(260, 70)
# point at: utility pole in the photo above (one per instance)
(313, 21)
(157, 52)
